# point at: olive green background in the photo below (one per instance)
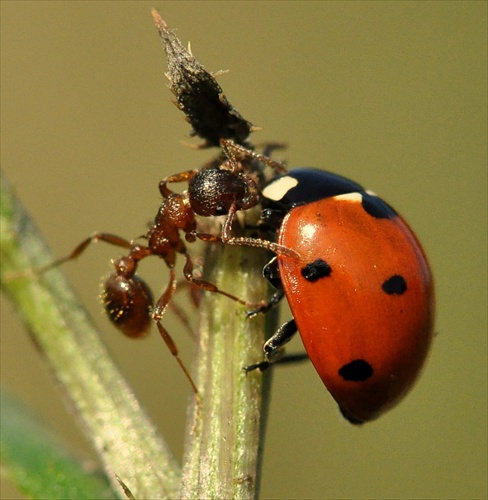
(391, 94)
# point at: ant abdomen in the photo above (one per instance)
(128, 302)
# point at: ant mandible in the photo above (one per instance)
(223, 187)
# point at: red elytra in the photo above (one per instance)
(365, 306)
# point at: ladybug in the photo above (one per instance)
(359, 287)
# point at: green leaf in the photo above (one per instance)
(39, 465)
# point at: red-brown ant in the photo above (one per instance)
(231, 187)
(224, 186)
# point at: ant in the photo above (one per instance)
(225, 185)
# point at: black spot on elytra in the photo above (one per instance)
(358, 370)
(396, 285)
(316, 270)
(376, 207)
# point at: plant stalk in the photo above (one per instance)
(106, 407)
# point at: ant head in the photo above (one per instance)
(213, 191)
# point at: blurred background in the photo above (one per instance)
(391, 94)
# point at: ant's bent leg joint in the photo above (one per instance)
(181, 177)
(78, 250)
(206, 285)
(162, 303)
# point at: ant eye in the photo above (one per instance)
(128, 302)
(221, 210)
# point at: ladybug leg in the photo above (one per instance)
(273, 348)
(273, 301)
(272, 273)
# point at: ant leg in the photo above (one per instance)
(273, 347)
(269, 147)
(187, 175)
(77, 251)
(251, 242)
(180, 177)
(174, 351)
(160, 308)
(248, 242)
(206, 285)
(230, 148)
(194, 294)
(226, 238)
(157, 314)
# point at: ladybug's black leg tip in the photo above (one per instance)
(254, 312)
(267, 306)
(258, 366)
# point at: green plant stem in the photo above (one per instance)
(105, 405)
(225, 436)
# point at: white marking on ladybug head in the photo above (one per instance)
(277, 190)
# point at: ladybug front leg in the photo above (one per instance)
(273, 348)
(272, 273)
